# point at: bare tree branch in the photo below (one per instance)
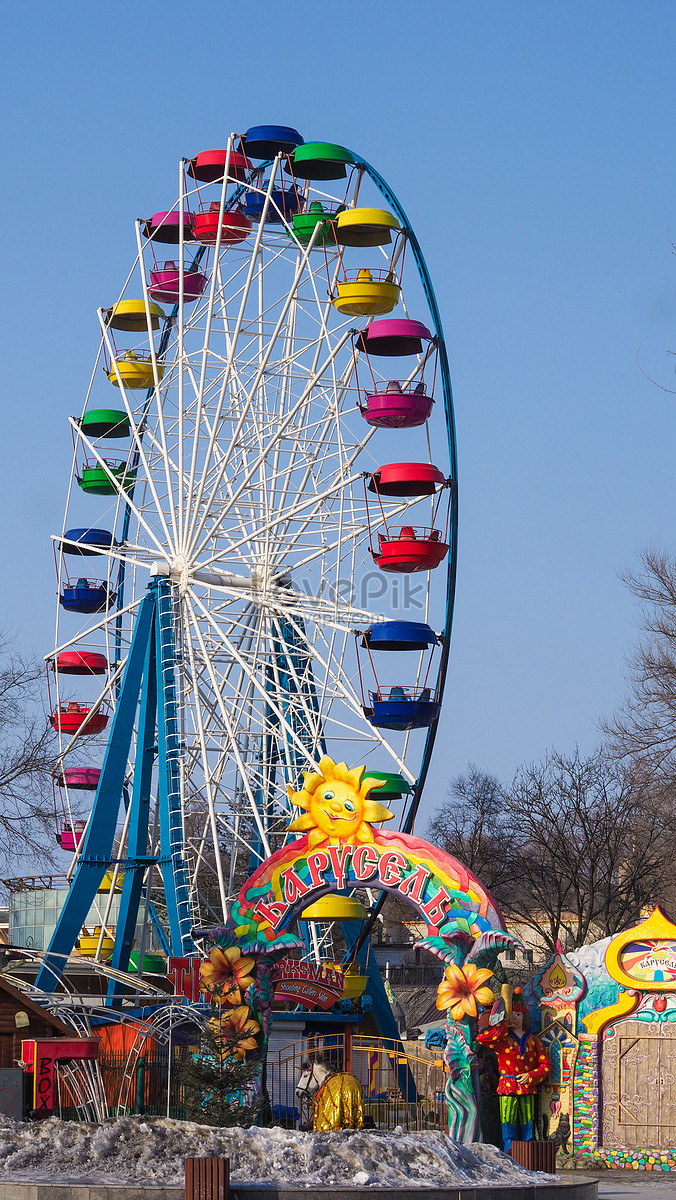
(572, 849)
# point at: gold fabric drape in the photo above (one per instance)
(339, 1104)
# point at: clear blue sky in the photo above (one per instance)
(533, 146)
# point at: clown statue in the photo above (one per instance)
(522, 1062)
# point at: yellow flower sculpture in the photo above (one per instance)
(227, 974)
(337, 805)
(236, 1031)
(462, 990)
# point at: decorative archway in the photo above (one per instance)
(341, 850)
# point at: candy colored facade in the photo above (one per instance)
(608, 1020)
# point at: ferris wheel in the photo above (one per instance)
(256, 564)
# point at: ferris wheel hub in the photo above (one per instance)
(179, 572)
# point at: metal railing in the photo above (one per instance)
(400, 1088)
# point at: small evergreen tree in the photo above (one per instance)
(220, 1087)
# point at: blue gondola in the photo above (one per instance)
(402, 708)
(87, 596)
(87, 541)
(400, 635)
(286, 201)
(265, 141)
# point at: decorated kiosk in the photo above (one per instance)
(607, 1016)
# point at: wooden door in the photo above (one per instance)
(638, 1076)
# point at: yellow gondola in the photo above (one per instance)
(88, 944)
(135, 369)
(354, 983)
(365, 227)
(370, 294)
(107, 882)
(131, 316)
(335, 908)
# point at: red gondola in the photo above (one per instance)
(409, 548)
(235, 227)
(81, 662)
(209, 166)
(72, 717)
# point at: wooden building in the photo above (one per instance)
(21, 1019)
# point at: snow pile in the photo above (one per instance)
(138, 1150)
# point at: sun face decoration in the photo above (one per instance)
(337, 805)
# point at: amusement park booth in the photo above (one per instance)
(607, 1015)
(22, 1019)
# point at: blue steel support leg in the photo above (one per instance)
(97, 848)
(382, 1012)
(169, 776)
(139, 819)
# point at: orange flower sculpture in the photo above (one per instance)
(227, 974)
(236, 1031)
(462, 989)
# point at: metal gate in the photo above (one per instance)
(639, 1084)
(403, 1083)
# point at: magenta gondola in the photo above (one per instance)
(85, 779)
(70, 837)
(165, 283)
(394, 337)
(391, 406)
(166, 227)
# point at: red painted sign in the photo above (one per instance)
(311, 984)
(39, 1057)
(184, 974)
(315, 985)
(347, 866)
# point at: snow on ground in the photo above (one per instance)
(138, 1150)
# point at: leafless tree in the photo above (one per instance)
(572, 849)
(26, 763)
(473, 825)
(646, 724)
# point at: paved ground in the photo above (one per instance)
(631, 1185)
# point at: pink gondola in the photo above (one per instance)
(69, 837)
(85, 779)
(389, 406)
(165, 284)
(166, 227)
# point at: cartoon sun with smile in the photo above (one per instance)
(337, 805)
